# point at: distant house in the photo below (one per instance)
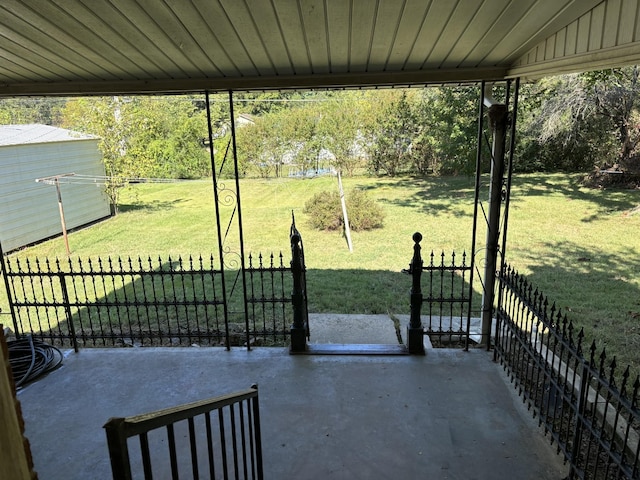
(244, 119)
(29, 210)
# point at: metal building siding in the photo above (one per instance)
(29, 210)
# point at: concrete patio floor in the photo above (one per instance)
(447, 415)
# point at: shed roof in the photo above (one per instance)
(50, 47)
(35, 133)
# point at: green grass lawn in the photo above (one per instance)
(579, 246)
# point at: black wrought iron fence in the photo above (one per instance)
(441, 295)
(143, 302)
(215, 438)
(269, 297)
(588, 406)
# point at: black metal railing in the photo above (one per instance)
(98, 302)
(144, 302)
(440, 297)
(268, 283)
(590, 409)
(215, 438)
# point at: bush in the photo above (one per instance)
(325, 212)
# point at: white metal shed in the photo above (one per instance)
(29, 210)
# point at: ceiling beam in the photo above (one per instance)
(345, 80)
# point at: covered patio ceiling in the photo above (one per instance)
(68, 47)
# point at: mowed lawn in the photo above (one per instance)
(580, 246)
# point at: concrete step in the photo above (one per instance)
(330, 328)
(381, 329)
(354, 349)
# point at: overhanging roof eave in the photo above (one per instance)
(599, 60)
(319, 81)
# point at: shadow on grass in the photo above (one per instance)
(357, 291)
(610, 201)
(370, 292)
(447, 195)
(598, 290)
(150, 207)
(431, 195)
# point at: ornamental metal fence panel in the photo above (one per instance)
(441, 296)
(146, 301)
(446, 299)
(269, 298)
(588, 406)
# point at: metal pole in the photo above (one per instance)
(67, 311)
(240, 231)
(476, 201)
(512, 145)
(62, 220)
(225, 307)
(498, 122)
(507, 200)
(118, 449)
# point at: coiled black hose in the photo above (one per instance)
(29, 359)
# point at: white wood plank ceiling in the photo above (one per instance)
(110, 46)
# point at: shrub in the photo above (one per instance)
(325, 212)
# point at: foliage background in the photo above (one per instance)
(572, 123)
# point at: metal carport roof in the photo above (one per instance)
(62, 47)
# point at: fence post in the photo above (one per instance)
(4, 266)
(118, 450)
(258, 436)
(298, 329)
(415, 332)
(579, 419)
(67, 311)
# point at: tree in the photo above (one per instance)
(390, 132)
(102, 116)
(587, 120)
(26, 110)
(301, 131)
(143, 136)
(286, 136)
(615, 94)
(340, 130)
(166, 137)
(432, 130)
(449, 120)
(262, 146)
